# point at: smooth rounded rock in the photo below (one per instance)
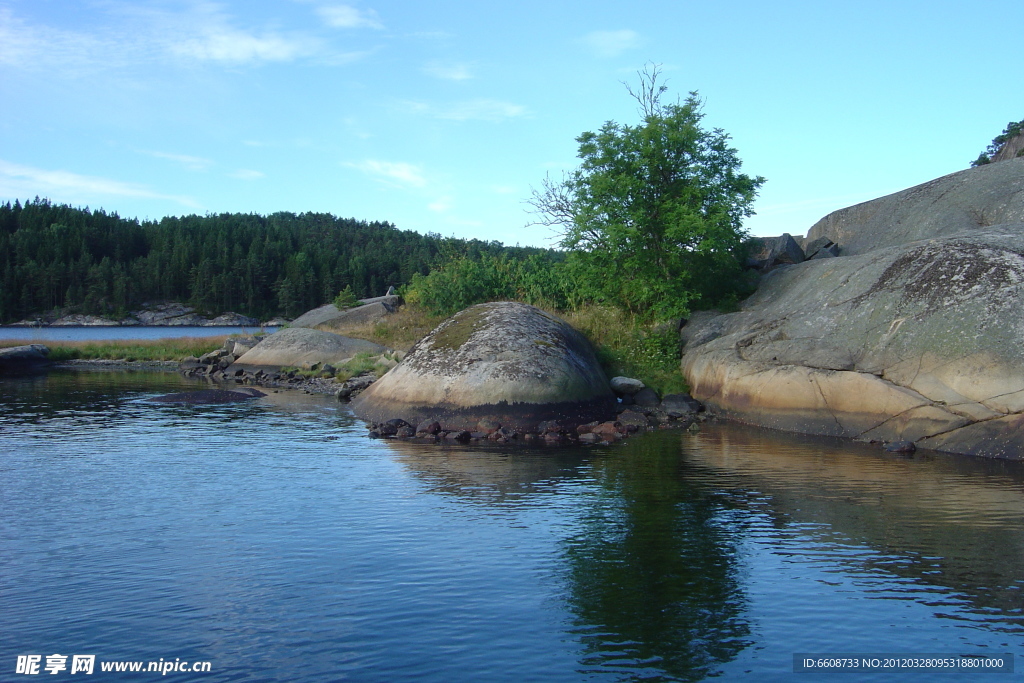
(507, 362)
(302, 348)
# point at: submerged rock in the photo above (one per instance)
(210, 396)
(507, 362)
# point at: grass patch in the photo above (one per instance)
(171, 349)
(630, 348)
(398, 331)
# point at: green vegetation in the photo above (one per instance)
(346, 299)
(651, 227)
(82, 261)
(176, 349)
(1012, 130)
(652, 218)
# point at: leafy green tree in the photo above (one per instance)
(653, 216)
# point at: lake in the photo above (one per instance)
(275, 541)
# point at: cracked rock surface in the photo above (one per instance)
(917, 341)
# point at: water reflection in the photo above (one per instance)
(652, 573)
(943, 521)
(656, 563)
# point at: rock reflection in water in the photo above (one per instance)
(947, 521)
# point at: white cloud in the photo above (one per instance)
(399, 172)
(231, 46)
(472, 110)
(247, 174)
(346, 16)
(448, 72)
(189, 162)
(441, 204)
(131, 35)
(26, 181)
(611, 43)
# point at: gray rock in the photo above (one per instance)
(901, 447)
(205, 396)
(768, 252)
(231, 319)
(646, 398)
(626, 385)
(330, 316)
(964, 202)
(25, 358)
(302, 347)
(678, 405)
(77, 320)
(509, 362)
(817, 244)
(920, 341)
(831, 251)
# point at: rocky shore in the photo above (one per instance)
(157, 315)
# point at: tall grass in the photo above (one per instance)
(171, 349)
(629, 347)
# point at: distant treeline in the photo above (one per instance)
(57, 256)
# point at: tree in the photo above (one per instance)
(1012, 130)
(652, 218)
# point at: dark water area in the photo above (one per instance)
(110, 333)
(273, 540)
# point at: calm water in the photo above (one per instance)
(273, 540)
(95, 333)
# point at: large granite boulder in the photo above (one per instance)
(506, 362)
(920, 338)
(301, 347)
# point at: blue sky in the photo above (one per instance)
(440, 116)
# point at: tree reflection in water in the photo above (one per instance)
(652, 575)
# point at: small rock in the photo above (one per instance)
(646, 398)
(428, 427)
(901, 447)
(488, 426)
(626, 386)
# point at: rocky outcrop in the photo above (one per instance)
(964, 202)
(301, 347)
(919, 338)
(26, 358)
(508, 363)
(329, 316)
(1011, 149)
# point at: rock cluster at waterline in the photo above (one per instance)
(507, 362)
(916, 333)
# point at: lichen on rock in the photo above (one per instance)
(508, 361)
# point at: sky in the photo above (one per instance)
(442, 116)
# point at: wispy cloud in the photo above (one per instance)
(399, 172)
(189, 162)
(221, 43)
(346, 16)
(129, 35)
(478, 110)
(611, 43)
(441, 204)
(247, 174)
(448, 71)
(17, 180)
